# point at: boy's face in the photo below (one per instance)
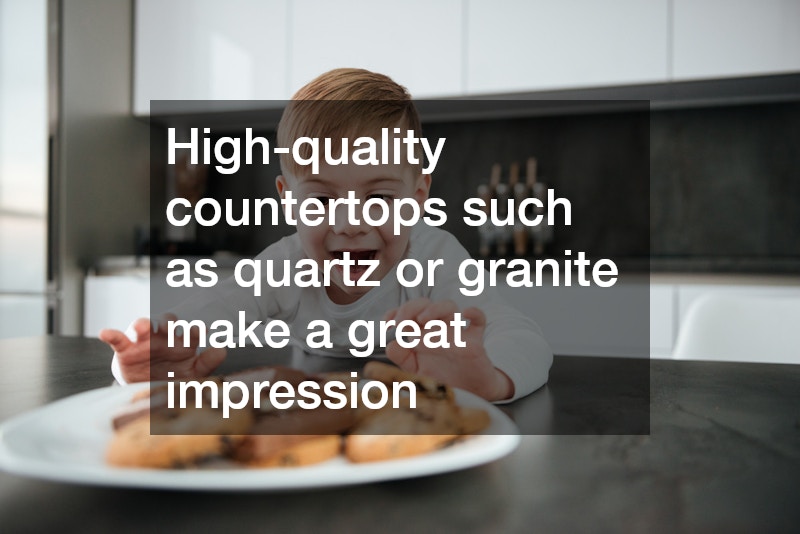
(326, 242)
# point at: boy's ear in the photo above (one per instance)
(281, 186)
(422, 188)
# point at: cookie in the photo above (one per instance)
(288, 450)
(392, 433)
(473, 420)
(142, 402)
(430, 387)
(361, 448)
(279, 438)
(180, 438)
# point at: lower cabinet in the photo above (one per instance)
(663, 322)
(634, 318)
(589, 321)
(638, 317)
(114, 301)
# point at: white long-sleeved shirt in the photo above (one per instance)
(513, 342)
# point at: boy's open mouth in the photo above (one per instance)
(356, 270)
(355, 255)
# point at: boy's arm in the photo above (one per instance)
(517, 347)
(141, 354)
(512, 342)
(500, 361)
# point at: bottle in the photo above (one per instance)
(530, 173)
(494, 179)
(485, 231)
(489, 233)
(542, 233)
(503, 234)
(520, 230)
(520, 192)
(513, 175)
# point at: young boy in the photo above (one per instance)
(505, 356)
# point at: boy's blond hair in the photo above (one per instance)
(343, 103)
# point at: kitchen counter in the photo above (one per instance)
(789, 266)
(720, 451)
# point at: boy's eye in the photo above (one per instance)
(385, 196)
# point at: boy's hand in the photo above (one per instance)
(465, 367)
(149, 357)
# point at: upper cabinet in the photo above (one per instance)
(540, 44)
(209, 50)
(730, 38)
(416, 42)
(267, 49)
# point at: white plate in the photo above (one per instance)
(66, 441)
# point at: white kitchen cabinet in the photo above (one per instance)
(114, 301)
(417, 42)
(687, 293)
(729, 38)
(267, 49)
(683, 290)
(209, 50)
(663, 324)
(612, 322)
(588, 321)
(540, 44)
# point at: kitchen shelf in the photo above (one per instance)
(742, 265)
(265, 114)
(657, 96)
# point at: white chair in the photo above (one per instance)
(751, 328)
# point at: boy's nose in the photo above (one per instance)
(344, 226)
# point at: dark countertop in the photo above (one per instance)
(726, 265)
(722, 454)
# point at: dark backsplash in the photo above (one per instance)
(724, 182)
(599, 162)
